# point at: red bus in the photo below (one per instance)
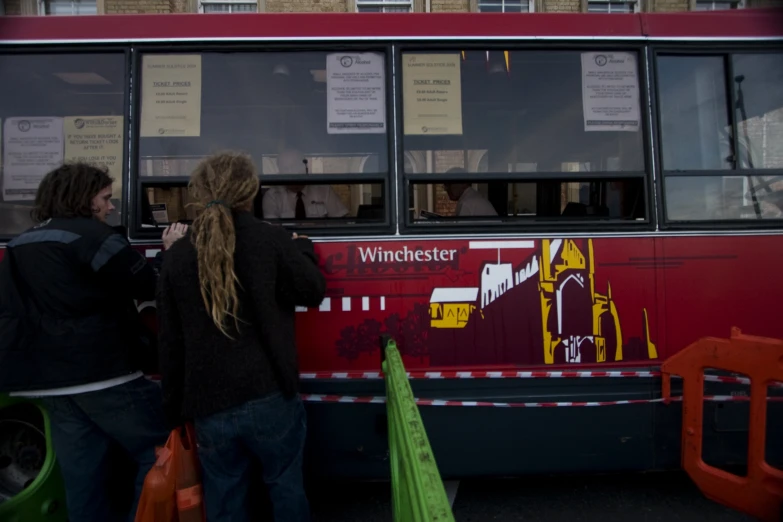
(539, 208)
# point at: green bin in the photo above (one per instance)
(31, 487)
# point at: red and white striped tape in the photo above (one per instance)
(346, 399)
(513, 374)
(506, 374)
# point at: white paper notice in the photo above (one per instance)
(356, 94)
(432, 94)
(610, 92)
(97, 140)
(31, 148)
(171, 95)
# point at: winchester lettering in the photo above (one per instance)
(379, 260)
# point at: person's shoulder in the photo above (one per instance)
(88, 228)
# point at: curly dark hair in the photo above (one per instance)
(68, 191)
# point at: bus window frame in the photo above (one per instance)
(88, 49)
(723, 50)
(340, 228)
(638, 46)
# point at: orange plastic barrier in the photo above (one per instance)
(760, 493)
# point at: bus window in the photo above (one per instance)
(718, 162)
(461, 200)
(309, 119)
(57, 108)
(758, 81)
(324, 204)
(526, 127)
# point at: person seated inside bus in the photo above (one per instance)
(300, 201)
(469, 201)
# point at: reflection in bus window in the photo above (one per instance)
(758, 86)
(695, 130)
(714, 198)
(621, 199)
(58, 108)
(263, 104)
(520, 111)
(164, 204)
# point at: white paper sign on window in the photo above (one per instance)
(31, 148)
(432, 94)
(97, 140)
(171, 95)
(356, 93)
(610, 92)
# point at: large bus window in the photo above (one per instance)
(58, 108)
(758, 83)
(699, 198)
(541, 120)
(301, 116)
(695, 129)
(499, 201)
(324, 205)
(721, 136)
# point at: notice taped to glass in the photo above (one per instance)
(171, 95)
(31, 148)
(356, 93)
(97, 140)
(610, 92)
(432, 94)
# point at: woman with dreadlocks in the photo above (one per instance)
(226, 300)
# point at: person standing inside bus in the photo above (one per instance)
(77, 277)
(300, 201)
(226, 303)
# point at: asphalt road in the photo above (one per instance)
(651, 497)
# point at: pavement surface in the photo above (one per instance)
(649, 497)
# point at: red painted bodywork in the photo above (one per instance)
(690, 287)
(752, 23)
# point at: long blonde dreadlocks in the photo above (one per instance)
(221, 183)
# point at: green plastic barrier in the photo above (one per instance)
(43, 500)
(418, 494)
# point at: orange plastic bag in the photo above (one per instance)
(172, 488)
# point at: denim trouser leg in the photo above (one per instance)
(83, 427)
(273, 429)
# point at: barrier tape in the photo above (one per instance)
(347, 399)
(513, 374)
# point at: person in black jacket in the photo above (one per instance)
(77, 278)
(226, 303)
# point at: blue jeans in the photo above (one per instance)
(85, 425)
(272, 429)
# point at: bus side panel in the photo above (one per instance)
(712, 284)
(715, 283)
(461, 305)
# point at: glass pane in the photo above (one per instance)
(71, 7)
(323, 204)
(244, 8)
(216, 8)
(522, 111)
(56, 108)
(758, 86)
(695, 128)
(490, 7)
(321, 113)
(369, 9)
(547, 200)
(702, 198)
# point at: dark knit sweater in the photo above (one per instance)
(204, 371)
